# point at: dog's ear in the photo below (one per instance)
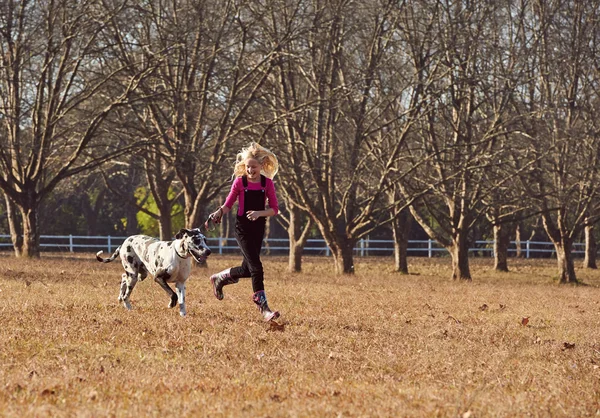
(183, 232)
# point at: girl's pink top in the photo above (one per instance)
(237, 191)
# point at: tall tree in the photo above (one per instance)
(58, 87)
(562, 98)
(458, 141)
(333, 102)
(211, 70)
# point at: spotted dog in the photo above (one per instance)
(166, 261)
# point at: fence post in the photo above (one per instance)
(527, 249)
(326, 250)
(221, 245)
(362, 247)
(429, 248)
(109, 245)
(70, 243)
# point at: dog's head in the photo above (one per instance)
(194, 242)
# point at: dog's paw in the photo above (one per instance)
(173, 302)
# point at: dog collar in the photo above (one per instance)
(176, 252)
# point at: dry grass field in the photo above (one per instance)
(375, 345)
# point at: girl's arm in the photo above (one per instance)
(255, 214)
(229, 201)
(218, 214)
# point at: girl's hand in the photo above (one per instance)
(253, 214)
(217, 215)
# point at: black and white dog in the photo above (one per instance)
(167, 261)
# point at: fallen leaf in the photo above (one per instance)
(502, 306)
(525, 321)
(483, 307)
(568, 346)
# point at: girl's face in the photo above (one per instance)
(253, 168)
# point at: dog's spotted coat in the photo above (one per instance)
(166, 261)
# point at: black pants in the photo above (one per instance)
(249, 235)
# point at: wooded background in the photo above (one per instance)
(474, 118)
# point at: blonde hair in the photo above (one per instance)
(264, 156)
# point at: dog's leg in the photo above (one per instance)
(180, 289)
(130, 282)
(123, 287)
(142, 272)
(161, 279)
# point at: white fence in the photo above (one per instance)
(364, 247)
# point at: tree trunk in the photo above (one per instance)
(90, 211)
(295, 258)
(401, 229)
(131, 227)
(298, 236)
(132, 224)
(501, 243)
(518, 229)
(566, 267)
(589, 261)
(31, 236)
(459, 252)
(295, 255)
(343, 255)
(164, 224)
(14, 226)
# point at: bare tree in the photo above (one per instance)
(333, 109)
(475, 58)
(57, 89)
(562, 97)
(506, 204)
(211, 70)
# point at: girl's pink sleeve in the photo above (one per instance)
(234, 193)
(272, 197)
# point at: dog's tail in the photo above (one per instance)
(107, 260)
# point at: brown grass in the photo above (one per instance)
(377, 344)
